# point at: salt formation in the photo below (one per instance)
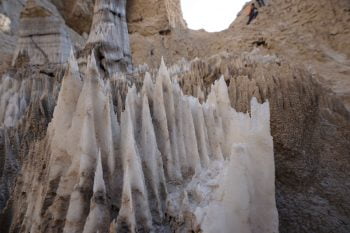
(17, 95)
(9, 108)
(26, 104)
(43, 37)
(109, 35)
(169, 163)
(309, 123)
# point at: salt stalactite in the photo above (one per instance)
(168, 95)
(147, 88)
(77, 211)
(111, 135)
(135, 213)
(162, 128)
(97, 221)
(43, 37)
(168, 163)
(103, 107)
(134, 106)
(61, 128)
(116, 176)
(109, 36)
(68, 97)
(93, 107)
(213, 124)
(248, 209)
(191, 146)
(9, 111)
(72, 133)
(219, 97)
(177, 93)
(201, 132)
(153, 164)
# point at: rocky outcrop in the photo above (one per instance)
(15, 30)
(9, 14)
(109, 36)
(157, 17)
(304, 32)
(6, 50)
(9, 20)
(43, 38)
(76, 13)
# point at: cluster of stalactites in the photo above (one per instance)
(17, 97)
(119, 173)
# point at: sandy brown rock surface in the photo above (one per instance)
(310, 33)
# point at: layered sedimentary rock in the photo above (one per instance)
(43, 38)
(169, 163)
(10, 12)
(109, 36)
(76, 13)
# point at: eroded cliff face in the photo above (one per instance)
(154, 17)
(309, 33)
(83, 150)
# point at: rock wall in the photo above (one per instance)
(109, 36)
(154, 17)
(78, 14)
(43, 38)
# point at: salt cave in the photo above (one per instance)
(243, 130)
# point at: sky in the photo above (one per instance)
(211, 15)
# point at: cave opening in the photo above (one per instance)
(212, 16)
